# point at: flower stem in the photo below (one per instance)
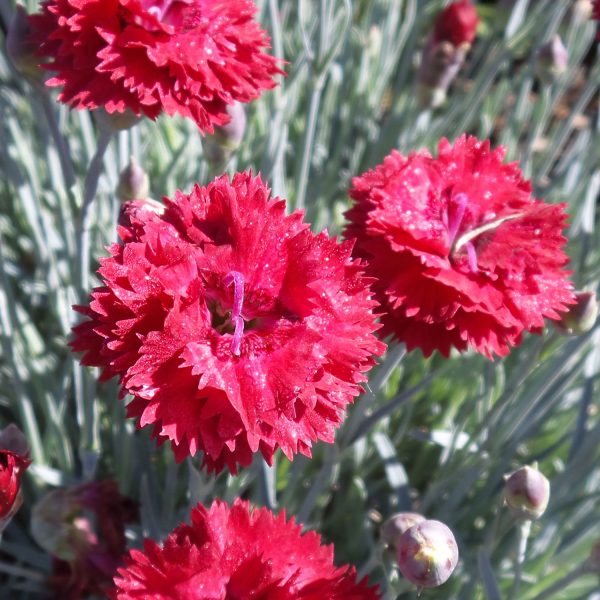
(85, 217)
(523, 532)
(83, 382)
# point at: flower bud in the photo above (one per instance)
(527, 493)
(226, 139)
(133, 182)
(20, 48)
(14, 460)
(427, 553)
(445, 51)
(580, 317)
(397, 524)
(552, 60)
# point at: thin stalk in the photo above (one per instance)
(522, 539)
(84, 384)
(85, 217)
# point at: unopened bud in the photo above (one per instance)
(20, 48)
(226, 139)
(427, 553)
(580, 317)
(552, 60)
(527, 493)
(397, 524)
(133, 182)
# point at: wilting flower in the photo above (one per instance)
(235, 328)
(190, 57)
(14, 460)
(552, 59)
(83, 528)
(463, 255)
(427, 553)
(527, 493)
(446, 50)
(238, 552)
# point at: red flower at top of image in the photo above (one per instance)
(190, 57)
(237, 552)
(235, 328)
(456, 24)
(463, 255)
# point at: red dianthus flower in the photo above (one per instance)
(191, 57)
(234, 327)
(456, 24)
(596, 13)
(236, 552)
(462, 253)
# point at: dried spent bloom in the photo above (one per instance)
(463, 256)
(580, 317)
(527, 493)
(234, 327)
(14, 460)
(445, 51)
(427, 553)
(397, 524)
(238, 552)
(552, 59)
(83, 528)
(190, 57)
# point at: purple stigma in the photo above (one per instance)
(456, 219)
(472, 257)
(237, 279)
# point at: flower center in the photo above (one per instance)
(237, 279)
(455, 216)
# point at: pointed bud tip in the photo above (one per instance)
(527, 493)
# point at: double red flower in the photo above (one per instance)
(463, 256)
(238, 553)
(190, 57)
(234, 327)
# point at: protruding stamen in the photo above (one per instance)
(455, 221)
(237, 279)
